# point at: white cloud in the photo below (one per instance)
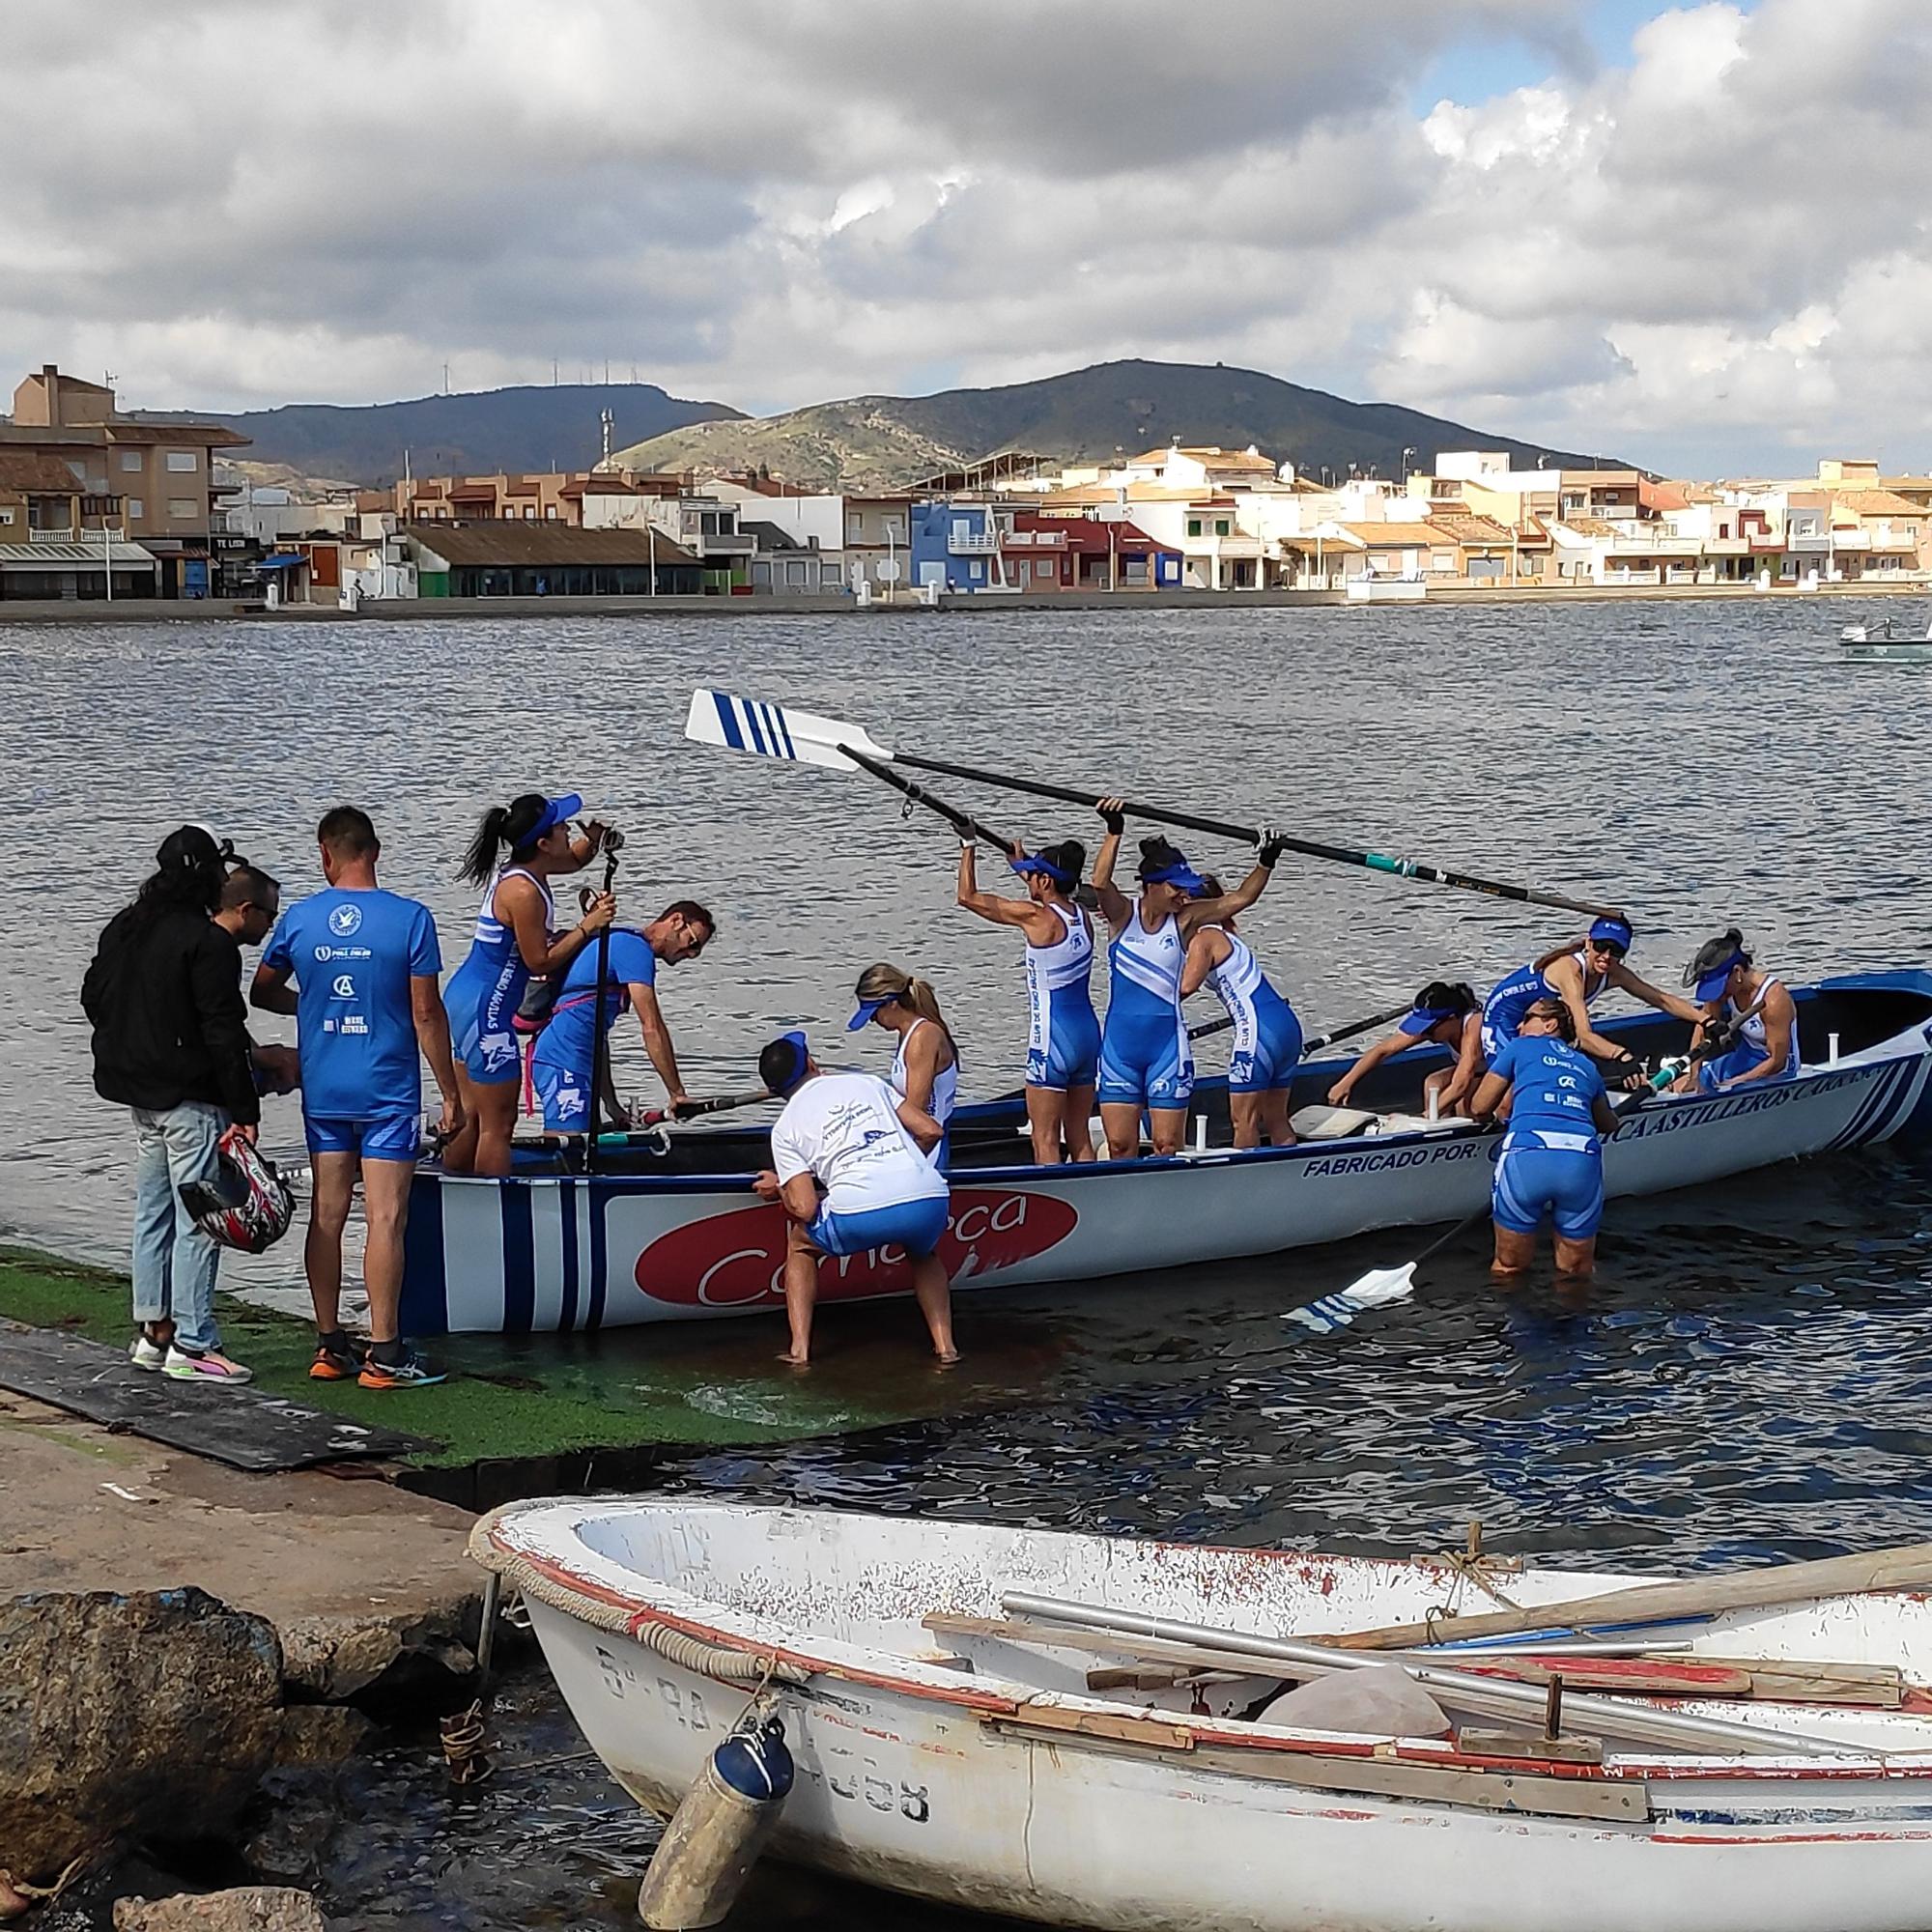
(1712, 250)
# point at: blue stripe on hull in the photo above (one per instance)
(594, 1313)
(1881, 1093)
(566, 1208)
(425, 1301)
(520, 1281)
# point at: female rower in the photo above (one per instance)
(925, 1070)
(513, 942)
(1146, 1062)
(1753, 1006)
(1577, 974)
(1446, 1013)
(1551, 1161)
(1064, 1035)
(1268, 1036)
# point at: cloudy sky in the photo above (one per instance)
(1695, 234)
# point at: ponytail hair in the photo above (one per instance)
(1157, 854)
(190, 869)
(1070, 856)
(1450, 996)
(502, 825)
(889, 982)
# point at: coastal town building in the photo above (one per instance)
(502, 557)
(151, 482)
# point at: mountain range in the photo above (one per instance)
(866, 443)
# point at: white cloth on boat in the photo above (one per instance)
(1381, 1700)
(846, 1129)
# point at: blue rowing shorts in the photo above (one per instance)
(392, 1134)
(1742, 1059)
(563, 1092)
(1071, 1054)
(916, 1226)
(1542, 1174)
(1145, 1059)
(1270, 1065)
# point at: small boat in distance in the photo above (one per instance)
(676, 1234)
(975, 1721)
(1880, 640)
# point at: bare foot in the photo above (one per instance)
(792, 1361)
(949, 1359)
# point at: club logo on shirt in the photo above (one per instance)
(344, 920)
(737, 1260)
(345, 986)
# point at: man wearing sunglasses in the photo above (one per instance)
(566, 1050)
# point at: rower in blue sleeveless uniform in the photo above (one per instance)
(562, 1067)
(1446, 1013)
(1268, 1036)
(1550, 1166)
(1063, 1034)
(514, 940)
(1577, 975)
(1146, 1062)
(1746, 999)
(926, 1069)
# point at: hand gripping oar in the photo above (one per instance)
(646, 1129)
(802, 738)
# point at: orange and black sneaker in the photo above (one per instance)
(405, 1368)
(335, 1359)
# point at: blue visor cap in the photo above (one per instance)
(867, 1008)
(557, 812)
(1417, 1023)
(1181, 873)
(1713, 983)
(1614, 932)
(801, 1052)
(1044, 867)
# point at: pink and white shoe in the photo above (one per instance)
(210, 1366)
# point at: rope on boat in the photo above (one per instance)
(674, 1646)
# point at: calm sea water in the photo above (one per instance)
(1753, 1374)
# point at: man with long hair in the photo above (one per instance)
(163, 995)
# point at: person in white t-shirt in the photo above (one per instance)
(849, 1163)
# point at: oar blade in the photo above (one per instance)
(776, 731)
(1374, 1290)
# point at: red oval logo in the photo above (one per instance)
(737, 1260)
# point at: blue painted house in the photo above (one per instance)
(955, 545)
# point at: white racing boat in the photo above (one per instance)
(969, 1723)
(678, 1234)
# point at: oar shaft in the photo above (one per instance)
(1320, 1039)
(962, 822)
(1249, 834)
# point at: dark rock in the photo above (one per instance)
(319, 1736)
(255, 1908)
(409, 1659)
(145, 1715)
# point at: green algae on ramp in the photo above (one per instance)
(526, 1397)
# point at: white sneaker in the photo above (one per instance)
(210, 1366)
(147, 1354)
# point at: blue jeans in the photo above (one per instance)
(174, 1260)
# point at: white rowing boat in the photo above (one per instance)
(946, 1750)
(679, 1236)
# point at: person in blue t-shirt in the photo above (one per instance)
(562, 1067)
(1552, 1162)
(368, 1010)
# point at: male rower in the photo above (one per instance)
(366, 1001)
(562, 1067)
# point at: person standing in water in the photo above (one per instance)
(1446, 1013)
(514, 940)
(850, 1166)
(1748, 1002)
(1577, 974)
(1063, 1031)
(926, 1069)
(1268, 1034)
(1550, 1166)
(1146, 1062)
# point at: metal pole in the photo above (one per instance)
(107, 557)
(600, 1042)
(1487, 1695)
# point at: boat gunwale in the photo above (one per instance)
(927, 1683)
(1912, 1042)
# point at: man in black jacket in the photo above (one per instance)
(171, 1044)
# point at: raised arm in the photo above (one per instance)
(1208, 911)
(520, 906)
(1022, 912)
(1116, 908)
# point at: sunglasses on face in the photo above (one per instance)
(1610, 948)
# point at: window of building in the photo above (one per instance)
(1221, 527)
(1042, 566)
(181, 462)
(180, 506)
(136, 510)
(131, 460)
(6, 515)
(550, 513)
(1194, 526)
(1134, 569)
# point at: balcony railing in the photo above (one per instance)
(972, 543)
(46, 533)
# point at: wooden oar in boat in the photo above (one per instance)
(1592, 1716)
(1320, 1039)
(806, 738)
(1908, 1567)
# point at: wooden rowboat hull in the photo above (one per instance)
(668, 1241)
(1011, 1787)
